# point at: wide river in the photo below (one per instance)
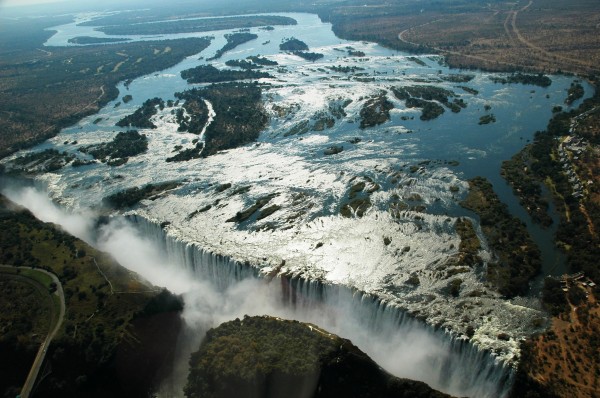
(422, 164)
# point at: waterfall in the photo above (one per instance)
(402, 344)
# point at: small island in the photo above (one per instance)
(210, 74)
(233, 40)
(299, 49)
(535, 80)
(428, 99)
(293, 44)
(519, 258)
(118, 151)
(487, 119)
(375, 111)
(240, 114)
(141, 117)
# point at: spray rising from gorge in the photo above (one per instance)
(216, 289)
(329, 217)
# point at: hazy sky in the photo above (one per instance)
(13, 3)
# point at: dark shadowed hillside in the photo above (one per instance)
(271, 357)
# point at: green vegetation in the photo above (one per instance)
(521, 78)
(189, 26)
(141, 117)
(423, 97)
(292, 44)
(40, 94)
(429, 110)
(518, 257)
(130, 197)
(417, 61)
(457, 78)
(469, 90)
(487, 119)
(355, 53)
(375, 111)
(468, 250)
(428, 93)
(210, 74)
(233, 40)
(47, 160)
(345, 69)
(308, 55)
(290, 359)
(240, 116)
(242, 63)
(24, 323)
(197, 115)
(124, 145)
(106, 316)
(517, 172)
(187, 154)
(577, 232)
(86, 40)
(258, 60)
(574, 93)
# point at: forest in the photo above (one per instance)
(128, 198)
(141, 117)
(240, 115)
(123, 146)
(233, 40)
(518, 257)
(210, 74)
(375, 111)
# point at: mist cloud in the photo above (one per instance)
(406, 349)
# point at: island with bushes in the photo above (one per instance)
(240, 114)
(518, 257)
(210, 74)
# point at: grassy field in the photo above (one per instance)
(546, 36)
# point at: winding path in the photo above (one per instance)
(57, 322)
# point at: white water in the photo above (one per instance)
(217, 289)
(343, 255)
(398, 342)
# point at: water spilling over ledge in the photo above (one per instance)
(376, 270)
(402, 344)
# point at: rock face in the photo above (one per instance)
(270, 357)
